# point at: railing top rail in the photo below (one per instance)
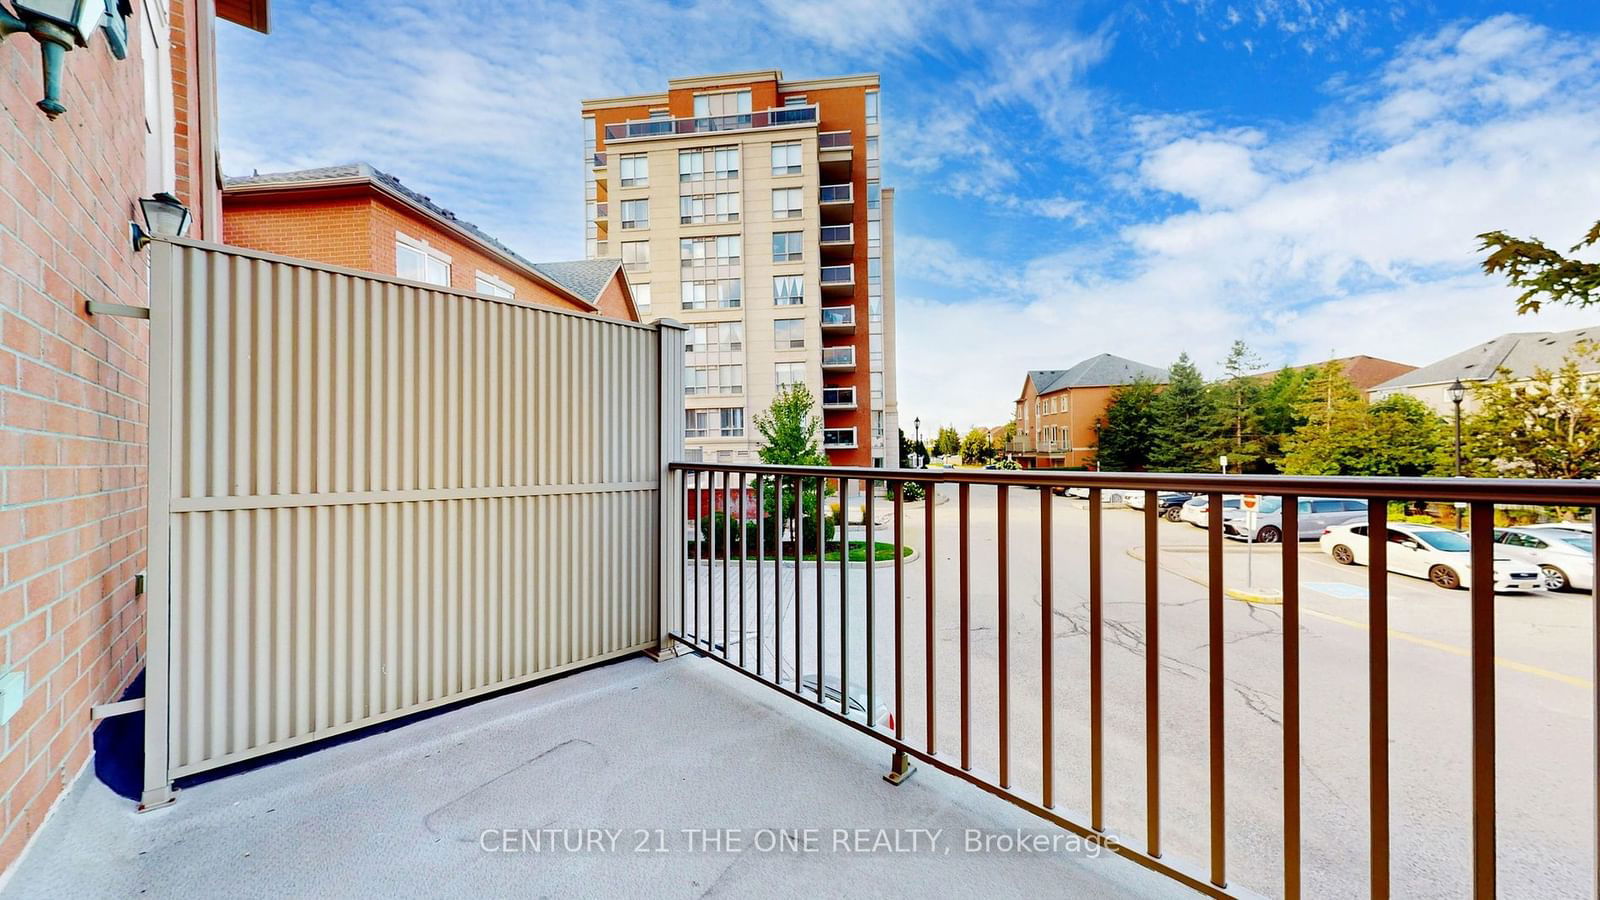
(1548, 492)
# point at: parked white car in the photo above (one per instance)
(1196, 511)
(1427, 551)
(1317, 514)
(1565, 556)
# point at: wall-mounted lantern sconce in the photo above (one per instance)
(58, 26)
(164, 216)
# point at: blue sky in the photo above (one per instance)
(1140, 178)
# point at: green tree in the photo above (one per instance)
(1547, 426)
(1343, 435)
(1238, 412)
(948, 443)
(1185, 422)
(1127, 436)
(1334, 429)
(1406, 439)
(976, 446)
(788, 432)
(1542, 272)
(1277, 409)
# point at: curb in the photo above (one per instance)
(1262, 597)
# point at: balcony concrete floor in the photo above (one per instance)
(633, 745)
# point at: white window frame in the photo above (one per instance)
(430, 258)
(635, 223)
(639, 163)
(640, 262)
(792, 200)
(493, 285)
(779, 342)
(742, 100)
(786, 158)
(782, 299)
(796, 255)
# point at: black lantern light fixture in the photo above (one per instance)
(1458, 393)
(58, 26)
(164, 216)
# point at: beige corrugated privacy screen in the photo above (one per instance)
(369, 497)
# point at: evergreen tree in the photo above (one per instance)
(1127, 435)
(1185, 422)
(1238, 410)
(1335, 428)
(1277, 409)
(948, 443)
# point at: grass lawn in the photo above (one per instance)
(858, 552)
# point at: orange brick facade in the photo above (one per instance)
(73, 414)
(1061, 428)
(355, 226)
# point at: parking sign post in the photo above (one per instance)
(1250, 502)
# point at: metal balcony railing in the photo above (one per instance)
(838, 438)
(834, 193)
(599, 160)
(834, 140)
(782, 654)
(838, 234)
(767, 118)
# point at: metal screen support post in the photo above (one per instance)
(900, 768)
(670, 556)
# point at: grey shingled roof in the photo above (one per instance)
(1104, 370)
(1520, 351)
(587, 278)
(570, 278)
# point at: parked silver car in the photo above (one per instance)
(1565, 556)
(1316, 515)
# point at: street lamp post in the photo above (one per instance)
(916, 458)
(1458, 393)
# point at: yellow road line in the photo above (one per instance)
(1420, 641)
(1511, 664)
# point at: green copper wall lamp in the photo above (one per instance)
(58, 26)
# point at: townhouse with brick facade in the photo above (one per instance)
(358, 217)
(73, 385)
(1059, 411)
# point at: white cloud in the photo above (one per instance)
(1305, 241)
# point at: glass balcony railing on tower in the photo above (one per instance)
(767, 118)
(838, 398)
(599, 160)
(839, 318)
(838, 357)
(838, 279)
(838, 234)
(835, 193)
(834, 140)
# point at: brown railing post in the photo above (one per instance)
(1096, 625)
(844, 599)
(822, 551)
(1483, 706)
(964, 495)
(928, 617)
(799, 594)
(872, 601)
(1378, 689)
(900, 767)
(1152, 674)
(1218, 748)
(1003, 586)
(1047, 636)
(1291, 698)
(727, 551)
(777, 579)
(761, 551)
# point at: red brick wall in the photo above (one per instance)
(332, 230)
(355, 227)
(72, 414)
